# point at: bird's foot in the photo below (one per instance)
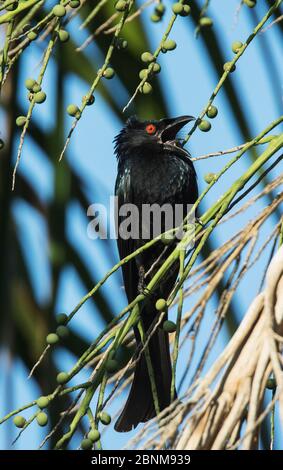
(142, 288)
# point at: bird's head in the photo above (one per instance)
(150, 137)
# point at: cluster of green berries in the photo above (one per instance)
(211, 113)
(168, 325)
(74, 111)
(35, 93)
(61, 331)
(158, 13)
(41, 417)
(153, 66)
(94, 435)
(182, 10)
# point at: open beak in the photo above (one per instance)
(173, 126)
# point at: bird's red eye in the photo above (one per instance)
(150, 129)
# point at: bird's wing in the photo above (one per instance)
(124, 193)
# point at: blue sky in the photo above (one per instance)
(187, 79)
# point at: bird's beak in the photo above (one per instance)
(173, 126)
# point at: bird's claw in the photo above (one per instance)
(142, 288)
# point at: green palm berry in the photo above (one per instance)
(86, 444)
(250, 3)
(121, 43)
(121, 5)
(169, 326)
(271, 384)
(61, 318)
(156, 67)
(42, 419)
(62, 331)
(146, 88)
(63, 35)
(124, 44)
(62, 378)
(111, 366)
(143, 73)
(161, 305)
(105, 418)
(59, 10)
(160, 9)
(52, 338)
(236, 46)
(229, 67)
(20, 121)
(169, 45)
(147, 57)
(89, 100)
(209, 177)
(40, 97)
(12, 6)
(212, 112)
(32, 35)
(177, 8)
(75, 3)
(29, 83)
(72, 109)
(108, 73)
(36, 88)
(94, 435)
(2, 144)
(205, 21)
(155, 18)
(186, 10)
(19, 421)
(204, 125)
(166, 239)
(42, 402)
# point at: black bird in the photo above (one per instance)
(153, 168)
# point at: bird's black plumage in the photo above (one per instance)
(152, 169)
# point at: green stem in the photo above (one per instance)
(46, 59)
(5, 52)
(178, 329)
(100, 72)
(22, 6)
(149, 369)
(93, 13)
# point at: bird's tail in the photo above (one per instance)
(140, 405)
